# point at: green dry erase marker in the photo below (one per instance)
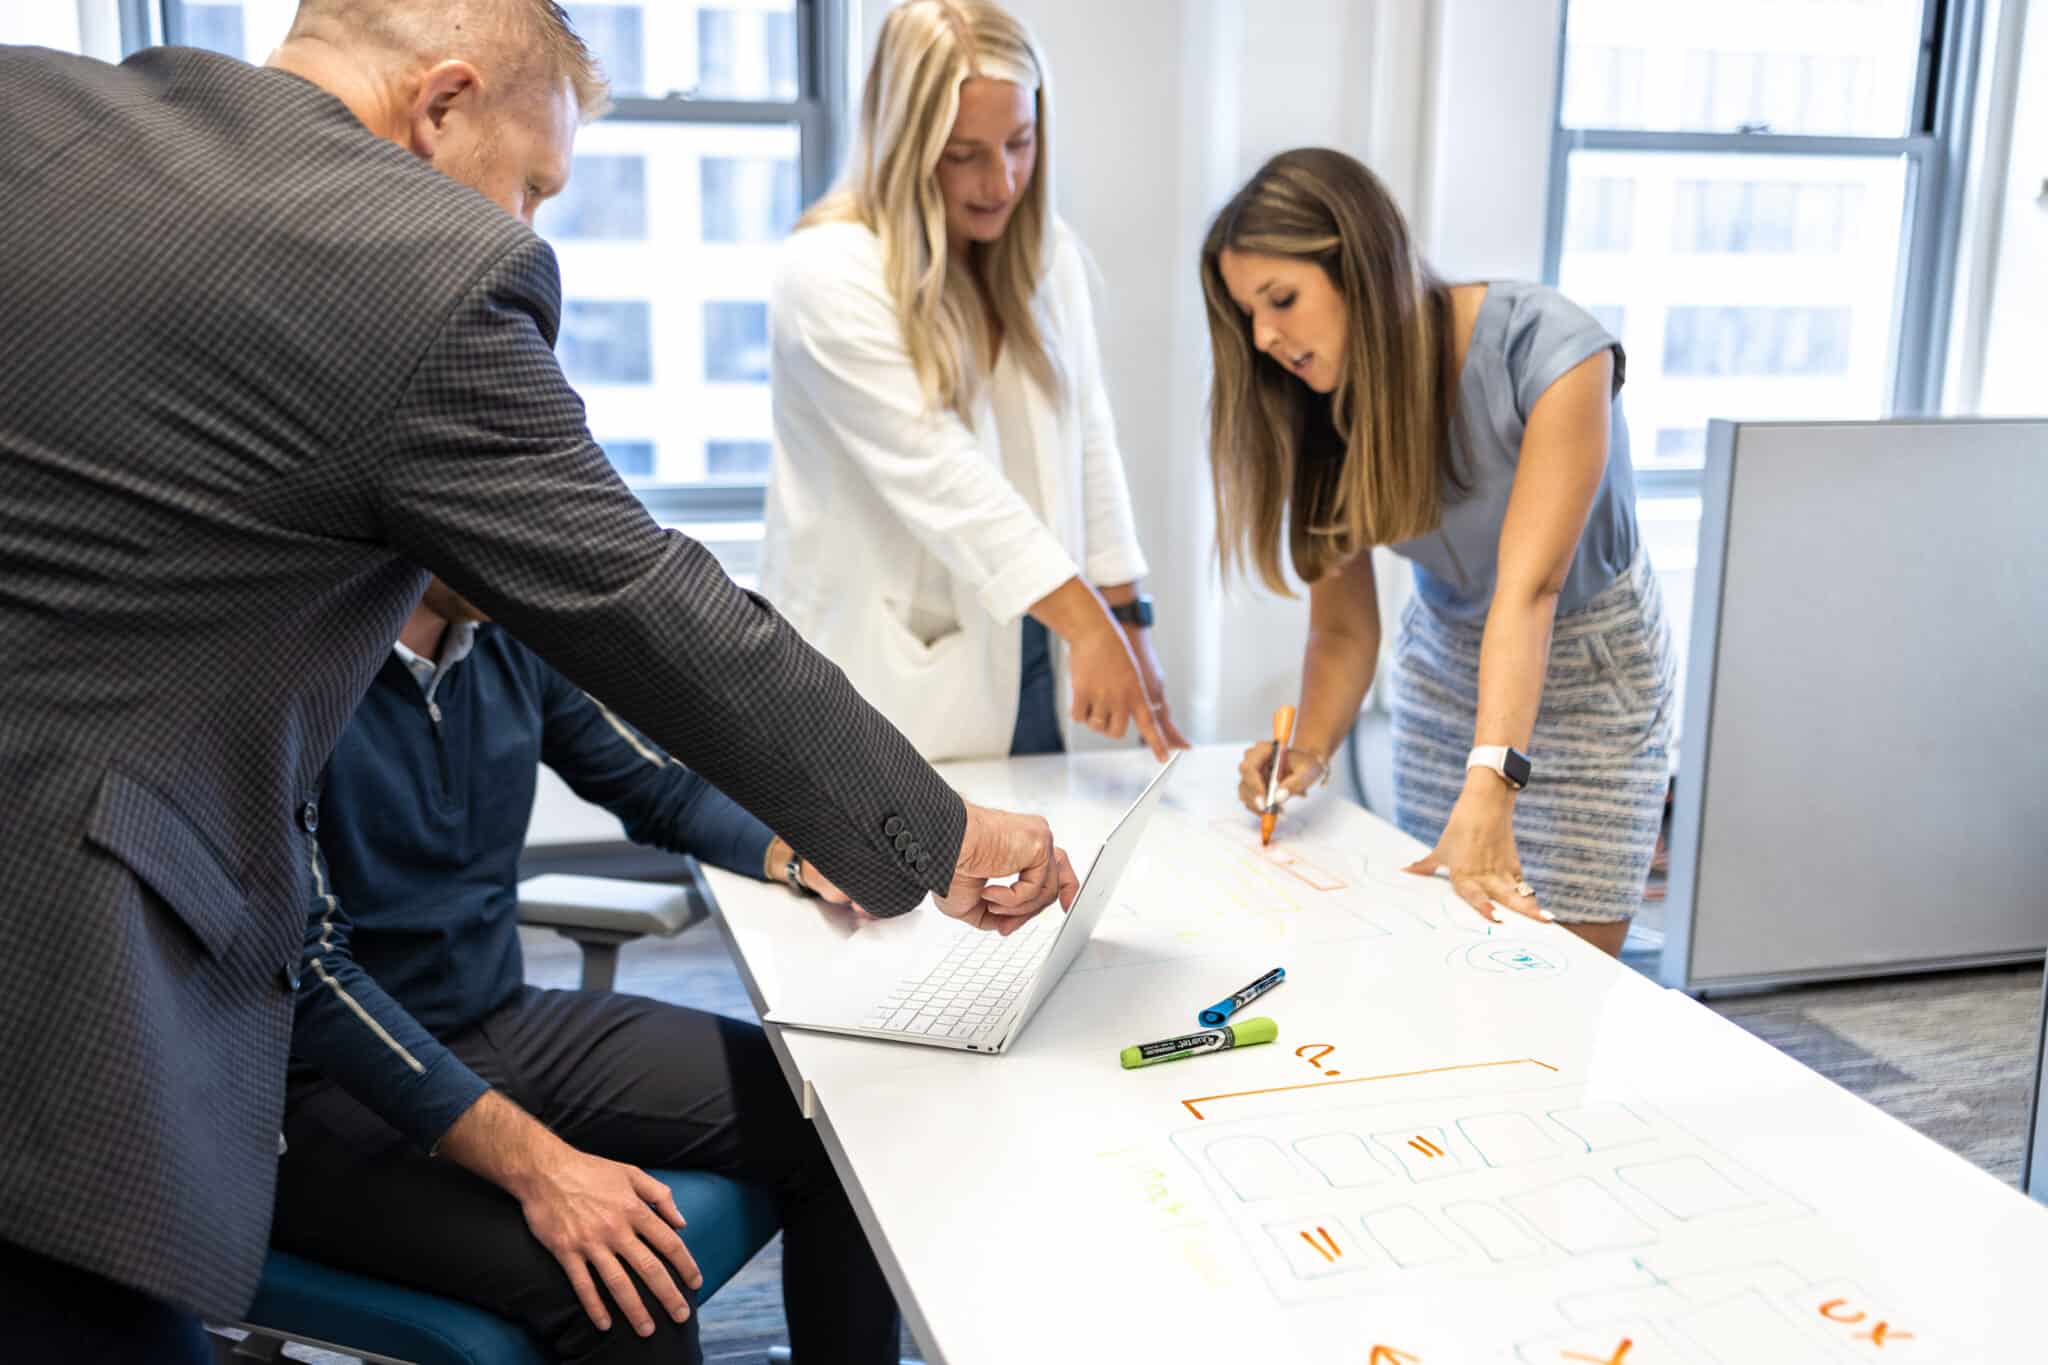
(1243, 1033)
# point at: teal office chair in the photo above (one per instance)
(387, 1324)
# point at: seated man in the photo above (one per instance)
(449, 1127)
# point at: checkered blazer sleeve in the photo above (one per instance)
(485, 473)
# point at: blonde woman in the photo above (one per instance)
(947, 492)
(1476, 430)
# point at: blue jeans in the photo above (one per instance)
(1038, 718)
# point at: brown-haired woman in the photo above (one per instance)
(1474, 429)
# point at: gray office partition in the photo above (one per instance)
(1863, 774)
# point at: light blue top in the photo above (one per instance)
(1526, 337)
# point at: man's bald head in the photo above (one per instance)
(523, 48)
(489, 92)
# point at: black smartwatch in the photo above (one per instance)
(793, 876)
(1137, 612)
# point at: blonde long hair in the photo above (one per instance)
(1369, 464)
(911, 97)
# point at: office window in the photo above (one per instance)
(736, 342)
(724, 126)
(1687, 446)
(1762, 191)
(1764, 216)
(613, 33)
(738, 459)
(604, 201)
(633, 459)
(748, 199)
(1603, 210)
(607, 342)
(1746, 179)
(1603, 87)
(1756, 341)
(217, 27)
(747, 52)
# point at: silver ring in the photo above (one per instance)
(1524, 889)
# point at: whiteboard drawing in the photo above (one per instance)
(1731, 1315)
(1420, 1193)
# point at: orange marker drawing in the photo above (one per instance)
(1876, 1336)
(1619, 1357)
(1425, 1146)
(1332, 1253)
(1321, 1050)
(1387, 1355)
(1827, 1310)
(1194, 1104)
(1283, 736)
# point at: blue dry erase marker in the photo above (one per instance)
(1216, 1014)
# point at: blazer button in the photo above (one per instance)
(309, 817)
(291, 979)
(904, 841)
(893, 826)
(924, 863)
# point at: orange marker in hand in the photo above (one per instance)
(1283, 736)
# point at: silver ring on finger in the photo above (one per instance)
(1522, 888)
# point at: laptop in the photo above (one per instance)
(974, 990)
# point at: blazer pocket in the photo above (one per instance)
(161, 847)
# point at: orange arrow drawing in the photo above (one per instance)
(1387, 1355)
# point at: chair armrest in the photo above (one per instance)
(560, 901)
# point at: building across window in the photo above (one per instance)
(1681, 445)
(746, 53)
(633, 459)
(613, 35)
(217, 28)
(604, 201)
(738, 459)
(749, 199)
(736, 341)
(1603, 214)
(1763, 216)
(1756, 341)
(607, 341)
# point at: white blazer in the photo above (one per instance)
(895, 543)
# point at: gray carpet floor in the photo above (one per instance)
(1951, 1055)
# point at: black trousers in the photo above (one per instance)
(52, 1311)
(618, 1076)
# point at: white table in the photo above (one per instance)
(1465, 1146)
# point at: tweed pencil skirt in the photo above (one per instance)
(1586, 827)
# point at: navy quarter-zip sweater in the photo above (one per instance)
(413, 932)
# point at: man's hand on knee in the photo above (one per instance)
(596, 1217)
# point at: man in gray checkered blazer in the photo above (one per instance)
(275, 341)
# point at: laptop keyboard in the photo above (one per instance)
(970, 989)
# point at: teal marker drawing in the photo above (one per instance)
(1217, 1014)
(1244, 1033)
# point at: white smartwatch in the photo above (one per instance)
(1510, 763)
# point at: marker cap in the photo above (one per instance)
(1259, 1030)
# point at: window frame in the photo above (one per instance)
(818, 112)
(1935, 149)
